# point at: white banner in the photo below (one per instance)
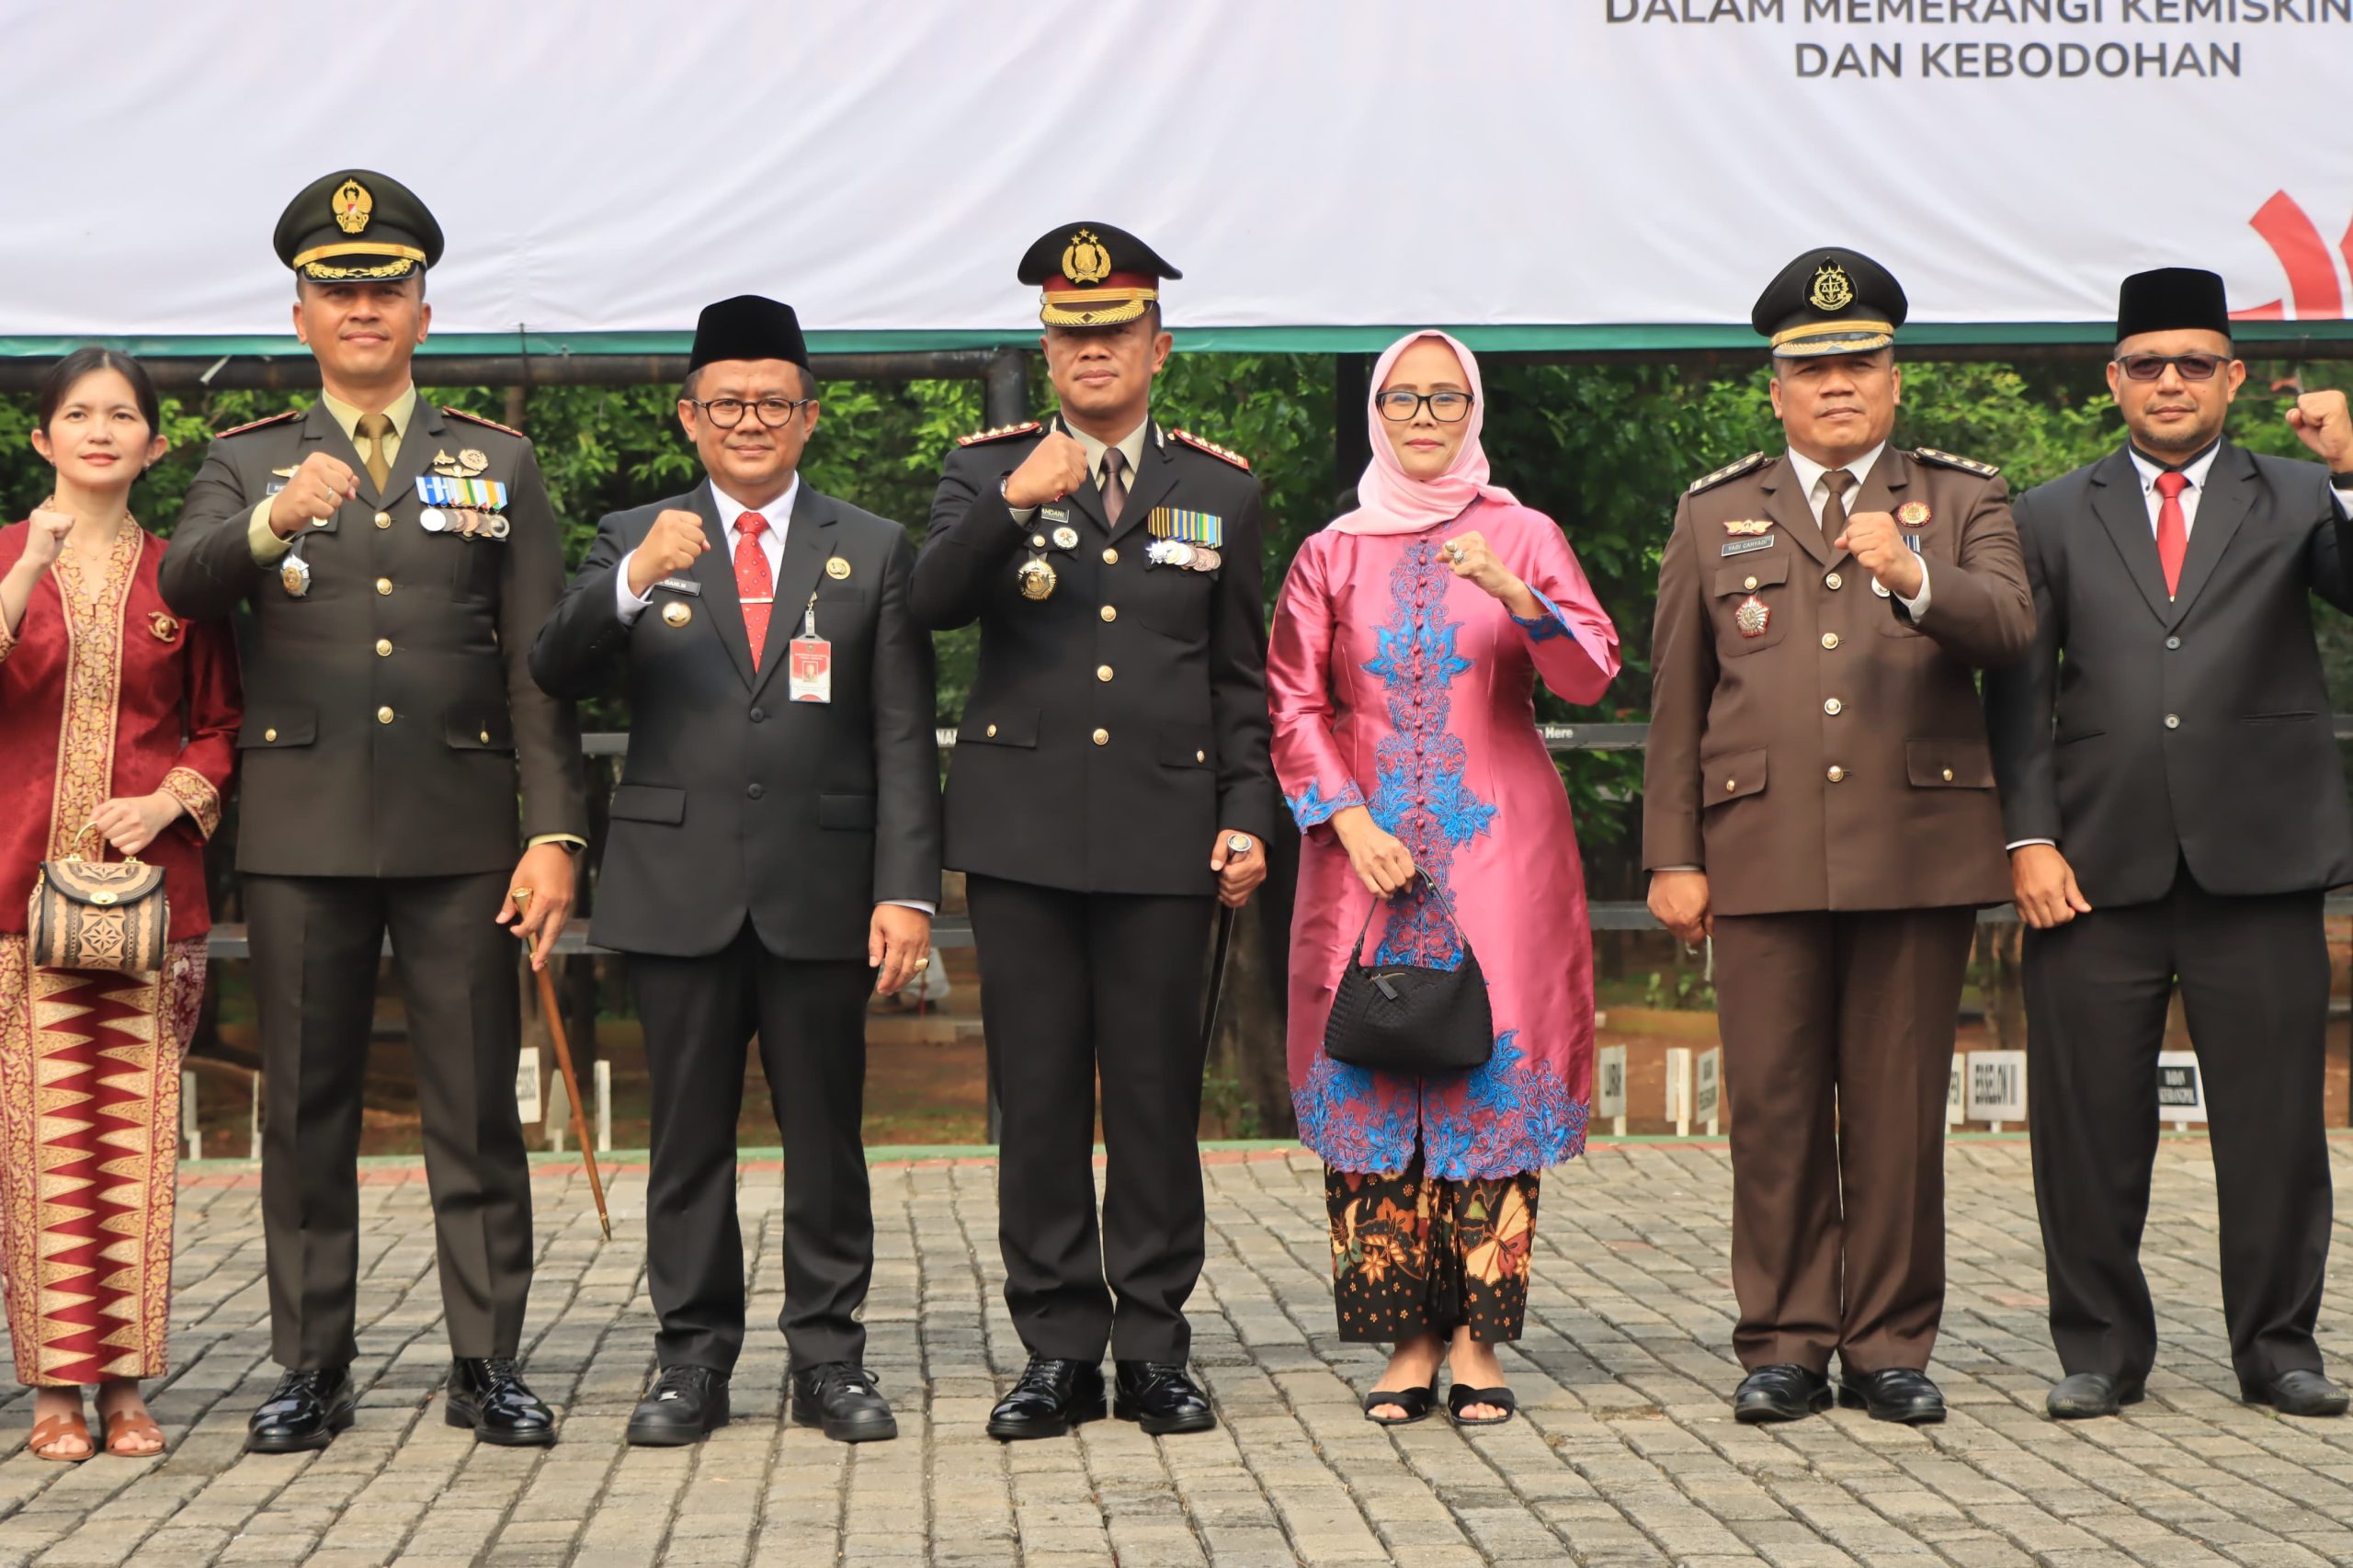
(603, 167)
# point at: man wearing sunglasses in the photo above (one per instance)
(2175, 808)
(774, 855)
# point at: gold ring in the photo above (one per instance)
(924, 962)
(520, 895)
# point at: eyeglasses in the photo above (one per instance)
(2193, 367)
(1446, 407)
(728, 412)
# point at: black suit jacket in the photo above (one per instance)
(390, 719)
(1117, 725)
(2142, 732)
(734, 802)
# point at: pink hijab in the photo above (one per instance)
(1387, 500)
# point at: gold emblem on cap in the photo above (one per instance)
(1832, 289)
(677, 614)
(353, 205)
(836, 568)
(1912, 514)
(1084, 260)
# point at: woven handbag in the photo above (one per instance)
(98, 915)
(1404, 1018)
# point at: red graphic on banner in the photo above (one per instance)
(2303, 256)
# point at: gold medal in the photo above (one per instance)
(1037, 578)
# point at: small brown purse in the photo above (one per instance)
(98, 915)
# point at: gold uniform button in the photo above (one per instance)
(1730, 785)
(1102, 672)
(384, 585)
(1833, 582)
(383, 715)
(1200, 757)
(992, 731)
(1109, 613)
(1836, 773)
(485, 737)
(383, 519)
(1037, 541)
(1102, 737)
(1111, 558)
(1830, 640)
(383, 647)
(1834, 707)
(1948, 775)
(1749, 583)
(269, 736)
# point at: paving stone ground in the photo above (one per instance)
(1626, 1454)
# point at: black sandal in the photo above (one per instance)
(1415, 1402)
(1459, 1399)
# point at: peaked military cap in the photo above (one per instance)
(355, 225)
(1830, 301)
(2172, 299)
(748, 327)
(1094, 274)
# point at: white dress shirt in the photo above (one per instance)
(1815, 477)
(778, 514)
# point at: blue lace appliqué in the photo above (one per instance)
(1545, 626)
(1312, 806)
(1513, 1115)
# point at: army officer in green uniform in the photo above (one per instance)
(398, 559)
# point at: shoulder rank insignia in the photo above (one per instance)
(1236, 458)
(1730, 470)
(998, 432)
(478, 419)
(258, 424)
(1967, 465)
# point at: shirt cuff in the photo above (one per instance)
(1024, 515)
(2344, 500)
(262, 540)
(626, 605)
(1549, 624)
(2022, 843)
(919, 905)
(1917, 606)
(571, 841)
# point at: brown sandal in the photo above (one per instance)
(121, 1423)
(56, 1428)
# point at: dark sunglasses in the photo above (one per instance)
(2193, 367)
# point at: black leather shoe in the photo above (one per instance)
(1894, 1393)
(1049, 1399)
(685, 1404)
(486, 1393)
(2083, 1396)
(304, 1411)
(1784, 1391)
(843, 1401)
(1160, 1399)
(2299, 1393)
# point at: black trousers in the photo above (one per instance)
(315, 945)
(2253, 975)
(1073, 984)
(700, 1014)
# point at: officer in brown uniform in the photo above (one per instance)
(398, 560)
(1819, 798)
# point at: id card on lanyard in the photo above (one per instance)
(808, 673)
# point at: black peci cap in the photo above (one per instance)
(1830, 301)
(748, 327)
(356, 226)
(2172, 299)
(1094, 274)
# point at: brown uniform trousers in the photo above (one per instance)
(1825, 763)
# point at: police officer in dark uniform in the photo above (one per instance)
(398, 559)
(1110, 778)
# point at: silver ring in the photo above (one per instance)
(1454, 552)
(1239, 844)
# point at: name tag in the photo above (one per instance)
(809, 677)
(1743, 546)
(677, 585)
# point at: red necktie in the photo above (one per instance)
(2172, 528)
(754, 585)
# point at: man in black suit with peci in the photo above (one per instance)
(2175, 807)
(774, 855)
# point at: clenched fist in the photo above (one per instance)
(2320, 419)
(47, 539)
(1878, 546)
(1052, 471)
(669, 548)
(318, 487)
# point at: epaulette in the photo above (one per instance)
(271, 419)
(1967, 465)
(998, 432)
(1236, 458)
(1730, 470)
(478, 419)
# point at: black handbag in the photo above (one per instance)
(1402, 1018)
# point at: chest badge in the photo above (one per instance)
(836, 568)
(1753, 617)
(677, 614)
(294, 576)
(1912, 514)
(1748, 528)
(1036, 578)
